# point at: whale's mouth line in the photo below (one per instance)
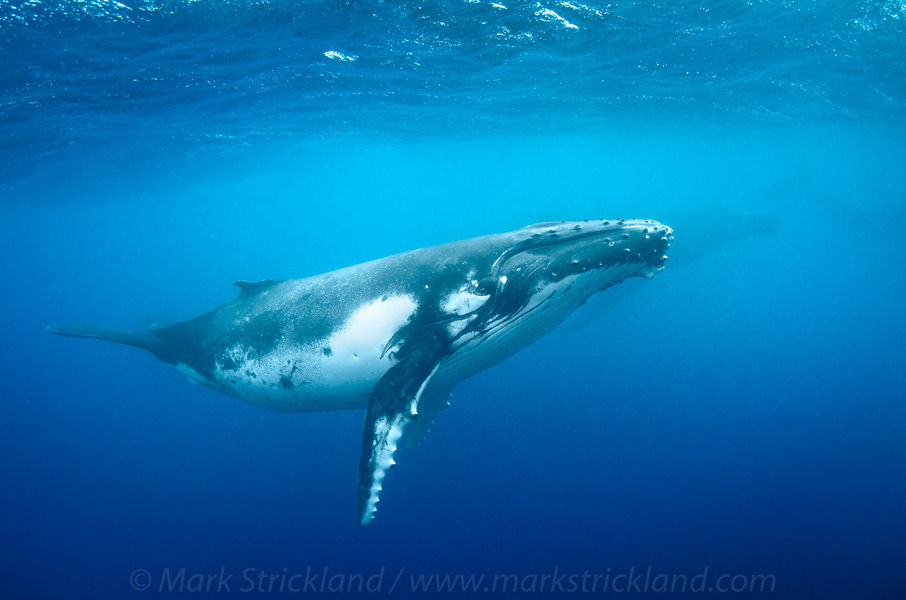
(503, 320)
(553, 238)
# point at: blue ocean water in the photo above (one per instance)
(741, 415)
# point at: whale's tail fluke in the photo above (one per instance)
(130, 337)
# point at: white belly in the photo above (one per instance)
(335, 372)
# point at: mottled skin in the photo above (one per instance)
(470, 304)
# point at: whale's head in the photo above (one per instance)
(604, 251)
(541, 273)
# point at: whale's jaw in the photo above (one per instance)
(519, 314)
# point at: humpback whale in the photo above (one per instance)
(394, 335)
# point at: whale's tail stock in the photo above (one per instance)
(130, 337)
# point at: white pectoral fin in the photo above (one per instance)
(386, 431)
(394, 404)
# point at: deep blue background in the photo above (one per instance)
(742, 412)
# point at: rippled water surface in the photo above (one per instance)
(152, 77)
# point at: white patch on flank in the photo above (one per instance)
(391, 431)
(325, 374)
(357, 354)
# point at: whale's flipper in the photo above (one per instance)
(434, 399)
(394, 404)
(139, 338)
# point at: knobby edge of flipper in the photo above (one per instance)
(394, 404)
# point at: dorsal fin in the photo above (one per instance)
(251, 288)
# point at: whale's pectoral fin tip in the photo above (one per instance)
(393, 403)
(386, 431)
